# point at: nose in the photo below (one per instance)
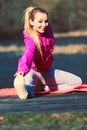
(44, 24)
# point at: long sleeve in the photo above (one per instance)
(31, 58)
(25, 62)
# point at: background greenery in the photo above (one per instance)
(64, 15)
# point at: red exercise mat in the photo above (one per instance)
(12, 91)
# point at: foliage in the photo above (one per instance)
(64, 15)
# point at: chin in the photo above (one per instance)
(42, 31)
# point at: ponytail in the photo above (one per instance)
(27, 17)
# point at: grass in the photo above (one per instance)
(44, 121)
(71, 49)
(67, 49)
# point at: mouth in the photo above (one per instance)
(43, 29)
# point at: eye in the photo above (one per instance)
(40, 21)
(46, 21)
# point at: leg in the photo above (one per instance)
(56, 79)
(30, 81)
(25, 85)
(66, 80)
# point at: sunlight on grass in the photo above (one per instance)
(71, 49)
(67, 49)
(11, 48)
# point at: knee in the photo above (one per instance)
(78, 81)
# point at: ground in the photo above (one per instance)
(70, 110)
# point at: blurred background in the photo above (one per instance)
(64, 15)
(69, 23)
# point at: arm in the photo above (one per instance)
(24, 63)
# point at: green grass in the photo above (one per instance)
(44, 121)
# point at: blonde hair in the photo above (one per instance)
(29, 14)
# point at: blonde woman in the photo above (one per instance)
(35, 66)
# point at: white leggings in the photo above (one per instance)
(53, 79)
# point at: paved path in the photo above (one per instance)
(71, 102)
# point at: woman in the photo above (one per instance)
(35, 66)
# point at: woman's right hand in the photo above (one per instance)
(19, 73)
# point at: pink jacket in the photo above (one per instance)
(32, 58)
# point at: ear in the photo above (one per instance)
(31, 23)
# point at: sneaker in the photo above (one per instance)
(19, 85)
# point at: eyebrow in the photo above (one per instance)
(42, 19)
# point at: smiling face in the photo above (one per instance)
(40, 22)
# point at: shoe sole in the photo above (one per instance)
(19, 85)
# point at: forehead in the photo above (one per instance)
(40, 15)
